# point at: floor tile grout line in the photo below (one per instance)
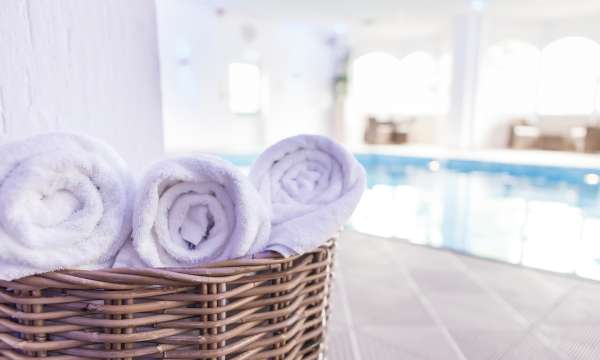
(479, 282)
(433, 314)
(348, 315)
(535, 324)
(515, 313)
(407, 351)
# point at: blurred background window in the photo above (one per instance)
(383, 84)
(510, 78)
(570, 75)
(421, 88)
(244, 88)
(376, 82)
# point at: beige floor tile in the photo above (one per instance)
(402, 301)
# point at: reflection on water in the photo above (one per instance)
(537, 220)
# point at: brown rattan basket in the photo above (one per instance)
(261, 308)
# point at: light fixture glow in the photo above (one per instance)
(434, 165)
(591, 179)
(244, 88)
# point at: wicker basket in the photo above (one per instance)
(267, 308)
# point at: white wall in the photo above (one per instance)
(492, 129)
(85, 66)
(197, 43)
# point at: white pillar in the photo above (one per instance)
(84, 66)
(465, 73)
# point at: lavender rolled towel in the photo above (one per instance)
(64, 203)
(311, 185)
(194, 210)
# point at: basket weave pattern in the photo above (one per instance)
(268, 308)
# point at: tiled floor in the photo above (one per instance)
(394, 300)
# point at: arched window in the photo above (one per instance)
(384, 85)
(244, 88)
(510, 78)
(421, 90)
(375, 83)
(570, 77)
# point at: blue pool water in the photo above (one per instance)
(544, 217)
(539, 216)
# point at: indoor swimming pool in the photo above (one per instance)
(545, 217)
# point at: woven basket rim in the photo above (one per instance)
(115, 278)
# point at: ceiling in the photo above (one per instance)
(367, 12)
(545, 8)
(343, 11)
(389, 20)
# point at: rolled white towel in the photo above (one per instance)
(193, 210)
(312, 185)
(65, 202)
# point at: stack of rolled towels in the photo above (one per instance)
(68, 201)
